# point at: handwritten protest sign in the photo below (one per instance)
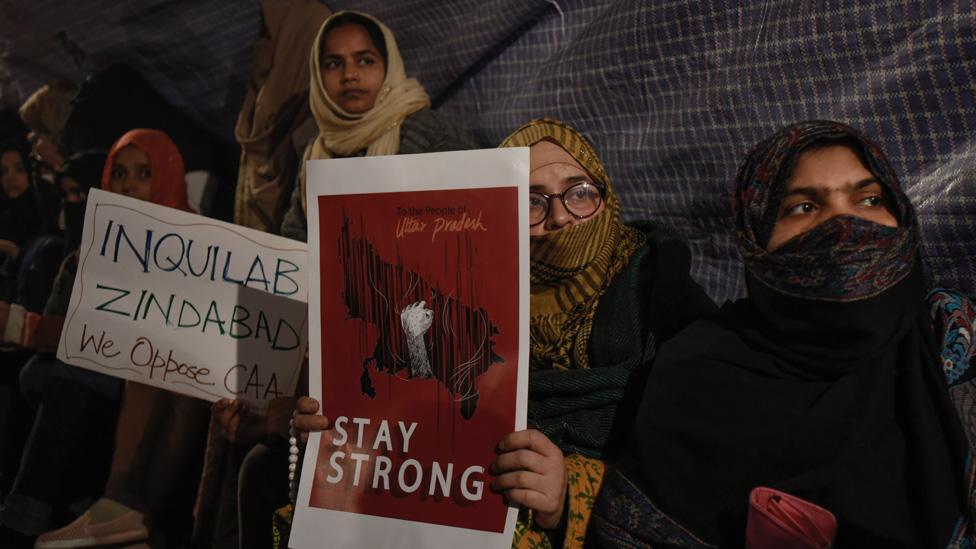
(418, 305)
(186, 303)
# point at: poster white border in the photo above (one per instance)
(489, 168)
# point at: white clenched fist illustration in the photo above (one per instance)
(416, 319)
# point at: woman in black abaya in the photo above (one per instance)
(828, 382)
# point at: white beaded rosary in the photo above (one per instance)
(293, 452)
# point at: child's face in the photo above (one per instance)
(13, 174)
(131, 173)
(826, 183)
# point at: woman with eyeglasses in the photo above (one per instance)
(603, 295)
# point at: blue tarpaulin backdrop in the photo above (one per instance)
(671, 92)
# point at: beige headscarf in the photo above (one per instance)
(47, 109)
(377, 130)
(276, 105)
(572, 268)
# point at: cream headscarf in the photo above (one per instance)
(47, 110)
(377, 130)
(275, 107)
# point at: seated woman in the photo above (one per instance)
(603, 295)
(75, 418)
(28, 229)
(828, 382)
(30, 251)
(364, 104)
(159, 434)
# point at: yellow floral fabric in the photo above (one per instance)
(584, 476)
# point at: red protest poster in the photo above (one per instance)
(418, 302)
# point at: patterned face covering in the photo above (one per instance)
(571, 268)
(843, 259)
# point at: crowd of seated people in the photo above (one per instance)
(827, 408)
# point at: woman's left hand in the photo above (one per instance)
(530, 471)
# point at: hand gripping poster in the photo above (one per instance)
(418, 347)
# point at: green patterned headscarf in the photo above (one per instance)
(571, 268)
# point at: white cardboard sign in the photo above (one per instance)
(186, 303)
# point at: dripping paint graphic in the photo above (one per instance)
(419, 345)
(422, 332)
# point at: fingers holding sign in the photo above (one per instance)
(229, 414)
(308, 419)
(530, 471)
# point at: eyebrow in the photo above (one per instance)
(566, 180)
(137, 166)
(360, 52)
(815, 191)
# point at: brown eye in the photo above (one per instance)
(582, 193)
(117, 172)
(800, 209)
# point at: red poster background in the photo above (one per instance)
(479, 269)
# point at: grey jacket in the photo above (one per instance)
(422, 132)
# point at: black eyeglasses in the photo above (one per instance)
(581, 200)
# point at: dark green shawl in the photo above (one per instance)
(589, 411)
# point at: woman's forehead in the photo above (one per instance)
(545, 153)
(557, 171)
(348, 38)
(830, 166)
(131, 153)
(556, 177)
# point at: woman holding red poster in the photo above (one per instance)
(603, 296)
(364, 104)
